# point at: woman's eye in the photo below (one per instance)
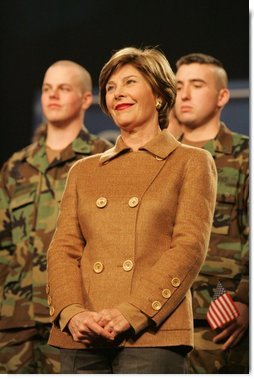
(109, 88)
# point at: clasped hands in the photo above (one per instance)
(89, 327)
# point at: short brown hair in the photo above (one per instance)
(205, 59)
(154, 66)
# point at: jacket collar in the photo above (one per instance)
(160, 146)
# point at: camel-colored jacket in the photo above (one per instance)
(132, 234)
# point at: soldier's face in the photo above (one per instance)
(197, 94)
(62, 97)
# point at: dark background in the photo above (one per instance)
(35, 33)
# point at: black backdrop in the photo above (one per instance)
(35, 33)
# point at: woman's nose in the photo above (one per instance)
(118, 92)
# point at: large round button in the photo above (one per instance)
(49, 300)
(98, 267)
(133, 202)
(101, 202)
(175, 282)
(166, 293)
(51, 310)
(156, 305)
(127, 265)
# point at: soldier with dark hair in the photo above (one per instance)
(202, 92)
(31, 186)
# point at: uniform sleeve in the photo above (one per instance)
(65, 252)
(165, 285)
(242, 291)
(6, 243)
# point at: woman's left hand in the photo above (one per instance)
(234, 331)
(113, 321)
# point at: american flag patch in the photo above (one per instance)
(222, 309)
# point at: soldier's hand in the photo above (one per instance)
(234, 331)
(84, 327)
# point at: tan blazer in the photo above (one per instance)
(133, 232)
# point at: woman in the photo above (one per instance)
(132, 233)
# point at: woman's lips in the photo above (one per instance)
(122, 106)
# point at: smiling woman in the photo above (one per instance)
(131, 102)
(128, 245)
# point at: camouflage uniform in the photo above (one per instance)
(30, 192)
(228, 255)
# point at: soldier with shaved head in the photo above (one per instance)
(31, 186)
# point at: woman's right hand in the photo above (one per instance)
(84, 327)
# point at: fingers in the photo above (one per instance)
(84, 327)
(113, 321)
(87, 327)
(233, 339)
(225, 333)
(232, 334)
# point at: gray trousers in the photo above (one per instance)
(159, 360)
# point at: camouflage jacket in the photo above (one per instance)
(228, 254)
(30, 192)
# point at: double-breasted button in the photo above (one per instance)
(127, 265)
(51, 310)
(47, 289)
(98, 267)
(159, 158)
(133, 202)
(101, 202)
(175, 282)
(49, 300)
(166, 293)
(156, 305)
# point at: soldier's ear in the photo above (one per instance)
(87, 100)
(223, 98)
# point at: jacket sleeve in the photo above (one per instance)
(242, 290)
(178, 267)
(6, 243)
(67, 243)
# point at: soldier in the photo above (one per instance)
(31, 186)
(202, 92)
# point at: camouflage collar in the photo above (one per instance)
(37, 153)
(160, 146)
(223, 142)
(78, 145)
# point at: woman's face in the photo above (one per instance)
(130, 99)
